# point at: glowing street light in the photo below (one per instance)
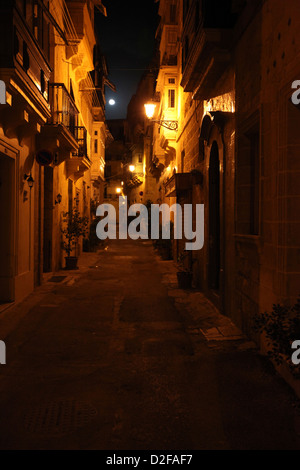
(118, 190)
(131, 168)
(150, 110)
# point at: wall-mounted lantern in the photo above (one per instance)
(29, 180)
(58, 199)
(150, 110)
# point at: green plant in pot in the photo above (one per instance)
(184, 274)
(281, 327)
(74, 227)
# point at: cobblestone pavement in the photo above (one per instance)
(114, 356)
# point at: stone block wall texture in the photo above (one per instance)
(260, 267)
(268, 265)
(259, 154)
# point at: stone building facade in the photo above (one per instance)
(231, 65)
(140, 185)
(115, 157)
(52, 133)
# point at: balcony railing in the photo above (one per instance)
(63, 108)
(80, 135)
(64, 111)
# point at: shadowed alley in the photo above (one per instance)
(115, 356)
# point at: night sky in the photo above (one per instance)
(127, 39)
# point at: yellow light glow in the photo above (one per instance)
(225, 103)
(122, 183)
(118, 190)
(150, 110)
(131, 168)
(169, 168)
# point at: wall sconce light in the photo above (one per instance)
(58, 199)
(150, 110)
(29, 180)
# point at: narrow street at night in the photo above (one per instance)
(114, 356)
(150, 229)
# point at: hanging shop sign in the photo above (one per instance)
(44, 157)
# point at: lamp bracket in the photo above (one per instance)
(171, 125)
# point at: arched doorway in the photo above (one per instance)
(214, 252)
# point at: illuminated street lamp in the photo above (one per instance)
(30, 180)
(150, 110)
(118, 190)
(131, 168)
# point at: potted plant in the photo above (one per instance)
(75, 226)
(184, 274)
(280, 327)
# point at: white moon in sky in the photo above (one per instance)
(112, 102)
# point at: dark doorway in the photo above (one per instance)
(48, 218)
(7, 166)
(214, 219)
